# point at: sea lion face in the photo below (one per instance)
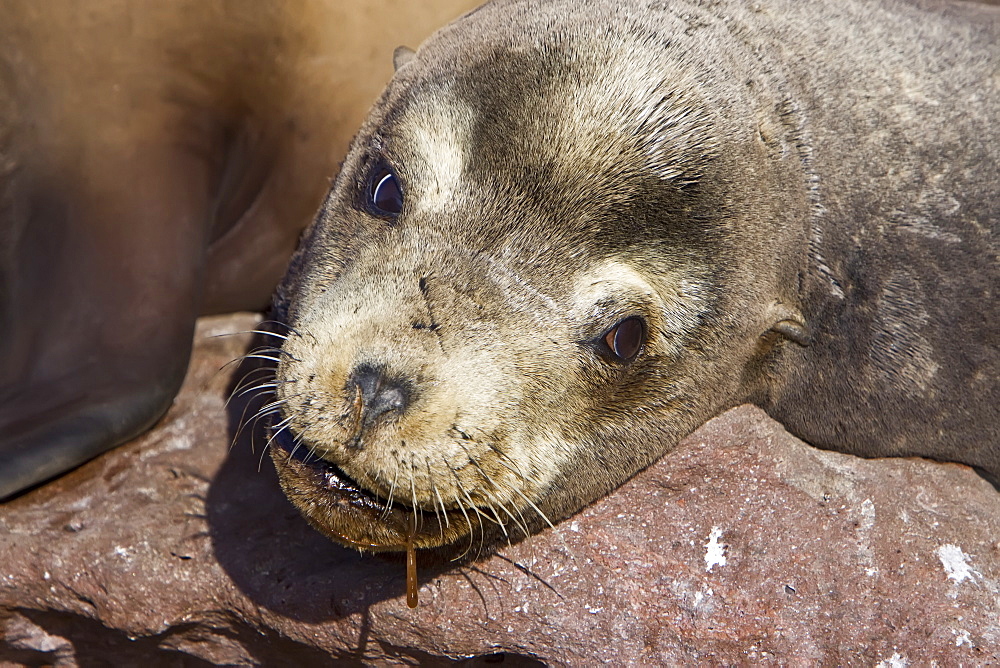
(499, 314)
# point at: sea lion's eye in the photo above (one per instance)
(625, 339)
(385, 196)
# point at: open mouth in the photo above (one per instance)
(335, 480)
(340, 507)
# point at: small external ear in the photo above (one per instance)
(401, 56)
(789, 323)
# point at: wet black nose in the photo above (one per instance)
(381, 394)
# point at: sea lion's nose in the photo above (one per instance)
(377, 393)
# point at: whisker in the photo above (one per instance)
(504, 455)
(256, 370)
(253, 356)
(271, 349)
(437, 494)
(480, 513)
(524, 527)
(259, 353)
(545, 518)
(519, 524)
(280, 427)
(413, 495)
(246, 379)
(268, 409)
(437, 513)
(503, 527)
(243, 424)
(534, 507)
(472, 504)
(461, 507)
(240, 360)
(496, 487)
(280, 352)
(392, 490)
(243, 391)
(250, 331)
(280, 324)
(277, 402)
(277, 428)
(469, 546)
(298, 444)
(489, 480)
(265, 332)
(263, 386)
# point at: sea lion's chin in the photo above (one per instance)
(346, 512)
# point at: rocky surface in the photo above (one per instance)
(744, 545)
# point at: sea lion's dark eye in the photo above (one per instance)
(625, 339)
(384, 194)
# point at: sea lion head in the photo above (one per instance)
(524, 286)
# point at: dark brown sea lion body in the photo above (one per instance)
(571, 232)
(157, 161)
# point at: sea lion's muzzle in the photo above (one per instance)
(345, 511)
(409, 381)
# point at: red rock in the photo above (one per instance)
(743, 545)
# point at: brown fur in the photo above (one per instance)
(158, 160)
(797, 197)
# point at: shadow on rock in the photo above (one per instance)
(264, 544)
(272, 554)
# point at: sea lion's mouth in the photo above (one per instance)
(352, 515)
(337, 482)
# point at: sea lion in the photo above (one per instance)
(158, 161)
(571, 232)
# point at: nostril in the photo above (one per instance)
(367, 378)
(380, 393)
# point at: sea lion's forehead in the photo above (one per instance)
(516, 141)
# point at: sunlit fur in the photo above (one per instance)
(565, 166)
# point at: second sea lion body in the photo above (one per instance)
(158, 161)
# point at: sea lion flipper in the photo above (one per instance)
(54, 447)
(60, 422)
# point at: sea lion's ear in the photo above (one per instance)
(401, 56)
(788, 322)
